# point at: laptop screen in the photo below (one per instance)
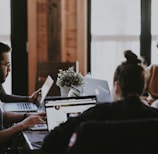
(97, 87)
(59, 110)
(45, 89)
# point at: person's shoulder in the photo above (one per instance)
(108, 105)
(104, 104)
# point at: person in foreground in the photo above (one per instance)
(21, 122)
(128, 85)
(4, 71)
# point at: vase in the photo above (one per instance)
(64, 91)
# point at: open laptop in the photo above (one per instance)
(97, 87)
(59, 109)
(30, 107)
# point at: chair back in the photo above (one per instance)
(115, 137)
(51, 68)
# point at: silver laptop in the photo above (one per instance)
(97, 87)
(30, 107)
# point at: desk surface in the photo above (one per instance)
(34, 139)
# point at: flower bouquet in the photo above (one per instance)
(69, 79)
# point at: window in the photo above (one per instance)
(154, 32)
(115, 27)
(5, 33)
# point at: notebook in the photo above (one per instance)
(97, 87)
(59, 109)
(30, 107)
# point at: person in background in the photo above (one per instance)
(4, 71)
(128, 85)
(152, 88)
(22, 120)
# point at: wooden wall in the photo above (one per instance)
(57, 31)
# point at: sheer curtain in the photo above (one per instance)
(154, 31)
(5, 33)
(115, 27)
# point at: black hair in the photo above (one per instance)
(131, 75)
(3, 48)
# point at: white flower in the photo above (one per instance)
(69, 77)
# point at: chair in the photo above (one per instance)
(51, 68)
(115, 137)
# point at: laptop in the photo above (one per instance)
(30, 107)
(59, 109)
(97, 87)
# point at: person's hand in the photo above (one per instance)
(41, 114)
(33, 98)
(33, 119)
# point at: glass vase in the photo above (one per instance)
(64, 91)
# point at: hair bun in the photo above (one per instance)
(131, 57)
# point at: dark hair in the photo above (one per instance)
(3, 48)
(131, 75)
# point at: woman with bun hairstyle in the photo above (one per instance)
(128, 85)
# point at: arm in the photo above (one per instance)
(12, 117)
(4, 97)
(6, 134)
(29, 121)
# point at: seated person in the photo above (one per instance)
(22, 120)
(152, 88)
(4, 71)
(128, 85)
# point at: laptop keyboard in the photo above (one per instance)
(39, 127)
(24, 106)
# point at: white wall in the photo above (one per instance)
(5, 33)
